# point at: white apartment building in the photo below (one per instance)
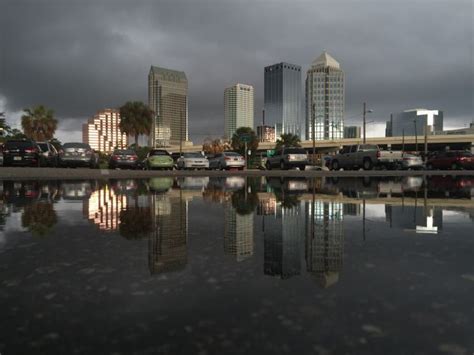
(238, 108)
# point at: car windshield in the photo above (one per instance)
(76, 145)
(295, 151)
(43, 146)
(193, 155)
(18, 144)
(124, 152)
(232, 154)
(158, 152)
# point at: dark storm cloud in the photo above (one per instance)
(81, 56)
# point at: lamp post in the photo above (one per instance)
(365, 112)
(416, 136)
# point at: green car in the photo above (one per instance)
(159, 159)
(160, 184)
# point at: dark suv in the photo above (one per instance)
(21, 152)
(455, 160)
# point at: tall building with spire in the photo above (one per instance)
(168, 98)
(282, 98)
(238, 108)
(325, 99)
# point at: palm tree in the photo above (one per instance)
(136, 118)
(288, 140)
(39, 123)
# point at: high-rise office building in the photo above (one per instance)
(352, 132)
(102, 132)
(238, 108)
(325, 99)
(406, 122)
(282, 98)
(168, 99)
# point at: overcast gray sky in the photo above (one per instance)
(80, 56)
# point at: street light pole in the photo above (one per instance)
(364, 124)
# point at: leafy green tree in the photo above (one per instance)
(288, 140)
(136, 118)
(238, 143)
(39, 123)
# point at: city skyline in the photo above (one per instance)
(385, 70)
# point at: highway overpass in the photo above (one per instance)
(435, 142)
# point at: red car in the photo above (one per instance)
(455, 160)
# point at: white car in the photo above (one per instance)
(192, 161)
(227, 160)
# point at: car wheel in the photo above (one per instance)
(367, 164)
(219, 167)
(335, 165)
(268, 166)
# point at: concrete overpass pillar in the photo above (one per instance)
(472, 147)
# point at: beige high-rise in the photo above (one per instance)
(168, 98)
(238, 108)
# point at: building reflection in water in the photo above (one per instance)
(238, 233)
(103, 208)
(282, 240)
(167, 245)
(325, 241)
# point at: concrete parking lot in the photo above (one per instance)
(84, 173)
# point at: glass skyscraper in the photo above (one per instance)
(282, 98)
(325, 99)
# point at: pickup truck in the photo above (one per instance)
(286, 158)
(366, 156)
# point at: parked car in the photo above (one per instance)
(1, 154)
(159, 159)
(366, 156)
(175, 156)
(49, 154)
(21, 152)
(123, 158)
(454, 159)
(411, 162)
(227, 160)
(192, 161)
(78, 154)
(286, 158)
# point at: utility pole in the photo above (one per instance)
(313, 131)
(416, 137)
(181, 134)
(426, 140)
(364, 124)
(403, 140)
